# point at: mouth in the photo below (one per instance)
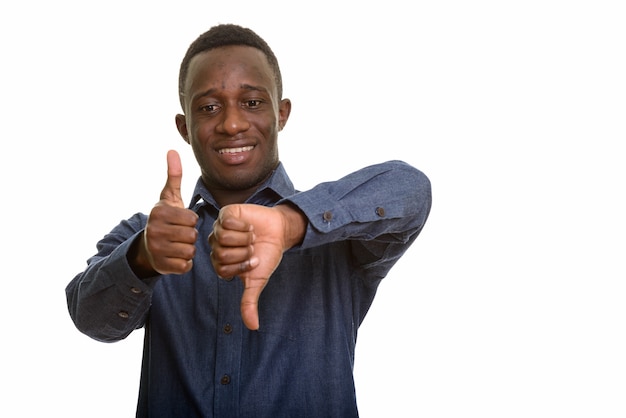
(235, 150)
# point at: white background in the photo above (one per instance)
(512, 301)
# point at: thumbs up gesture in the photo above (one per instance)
(168, 242)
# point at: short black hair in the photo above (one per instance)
(226, 35)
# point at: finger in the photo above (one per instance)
(230, 217)
(229, 238)
(171, 192)
(173, 265)
(231, 255)
(233, 262)
(250, 302)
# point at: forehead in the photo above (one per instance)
(228, 66)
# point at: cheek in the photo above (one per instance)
(199, 139)
(270, 128)
(201, 133)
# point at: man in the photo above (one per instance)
(250, 297)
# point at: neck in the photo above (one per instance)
(225, 196)
(230, 197)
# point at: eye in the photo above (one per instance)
(252, 103)
(209, 108)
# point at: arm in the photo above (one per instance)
(112, 296)
(380, 209)
(107, 301)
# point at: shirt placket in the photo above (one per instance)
(228, 353)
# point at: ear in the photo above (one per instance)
(181, 125)
(284, 109)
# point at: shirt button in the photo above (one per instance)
(380, 211)
(228, 329)
(225, 380)
(328, 215)
(123, 314)
(135, 290)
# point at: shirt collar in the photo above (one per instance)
(276, 187)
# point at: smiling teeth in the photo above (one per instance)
(235, 150)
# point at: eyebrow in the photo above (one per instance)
(253, 88)
(248, 87)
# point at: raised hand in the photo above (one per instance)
(248, 241)
(168, 241)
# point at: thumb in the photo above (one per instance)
(250, 302)
(171, 192)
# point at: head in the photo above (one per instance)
(230, 90)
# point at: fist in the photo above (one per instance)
(170, 234)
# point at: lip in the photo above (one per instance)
(235, 155)
(235, 150)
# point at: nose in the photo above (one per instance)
(233, 120)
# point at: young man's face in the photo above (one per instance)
(232, 118)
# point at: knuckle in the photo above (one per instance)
(184, 266)
(222, 271)
(217, 256)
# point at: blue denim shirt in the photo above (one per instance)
(200, 360)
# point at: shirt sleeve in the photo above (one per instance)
(107, 301)
(381, 209)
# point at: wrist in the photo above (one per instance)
(138, 260)
(295, 224)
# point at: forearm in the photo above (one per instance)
(377, 211)
(387, 202)
(107, 301)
